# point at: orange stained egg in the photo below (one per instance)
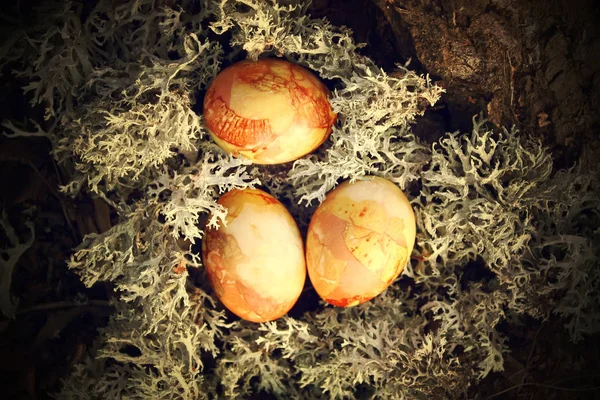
(270, 111)
(359, 240)
(255, 262)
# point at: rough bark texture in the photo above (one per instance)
(533, 63)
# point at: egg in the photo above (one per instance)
(359, 241)
(255, 261)
(270, 111)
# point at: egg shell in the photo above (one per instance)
(270, 111)
(255, 262)
(359, 240)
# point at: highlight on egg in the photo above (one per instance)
(270, 111)
(359, 241)
(255, 262)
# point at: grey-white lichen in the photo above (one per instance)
(120, 86)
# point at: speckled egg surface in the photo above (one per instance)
(270, 111)
(359, 240)
(255, 262)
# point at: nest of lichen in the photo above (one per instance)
(121, 85)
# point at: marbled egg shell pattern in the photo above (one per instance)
(256, 262)
(359, 240)
(270, 111)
